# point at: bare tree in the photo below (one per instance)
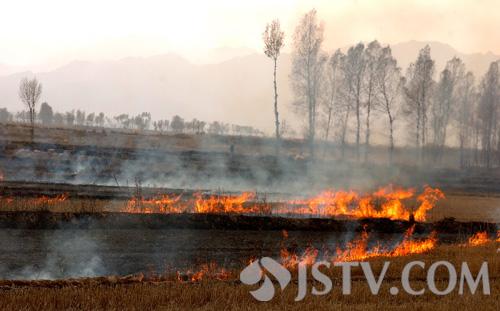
(354, 74)
(273, 42)
(307, 69)
(46, 114)
(445, 101)
(29, 93)
(465, 115)
(488, 111)
(333, 88)
(389, 84)
(372, 54)
(418, 91)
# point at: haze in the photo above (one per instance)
(41, 35)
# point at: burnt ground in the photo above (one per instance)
(201, 221)
(104, 244)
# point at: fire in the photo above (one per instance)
(27, 203)
(239, 204)
(162, 204)
(290, 259)
(207, 271)
(498, 236)
(409, 246)
(44, 200)
(225, 204)
(386, 202)
(358, 250)
(427, 201)
(480, 238)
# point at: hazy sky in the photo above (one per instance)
(49, 33)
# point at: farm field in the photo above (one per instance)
(140, 293)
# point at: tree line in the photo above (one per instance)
(142, 122)
(342, 92)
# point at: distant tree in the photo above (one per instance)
(5, 115)
(333, 88)
(445, 102)
(177, 124)
(163, 125)
(389, 84)
(307, 70)
(70, 118)
(200, 127)
(58, 119)
(142, 121)
(99, 119)
(273, 39)
(372, 55)
(465, 115)
(218, 128)
(214, 128)
(29, 93)
(355, 66)
(489, 111)
(80, 117)
(90, 119)
(46, 114)
(286, 130)
(418, 92)
(122, 120)
(23, 116)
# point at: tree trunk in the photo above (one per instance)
(358, 127)
(32, 122)
(417, 145)
(391, 140)
(367, 135)
(276, 115)
(328, 123)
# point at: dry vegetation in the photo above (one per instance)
(465, 207)
(248, 145)
(93, 294)
(460, 206)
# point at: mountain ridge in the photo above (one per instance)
(238, 90)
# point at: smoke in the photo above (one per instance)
(57, 254)
(212, 164)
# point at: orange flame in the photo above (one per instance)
(44, 200)
(357, 250)
(225, 204)
(480, 238)
(387, 202)
(206, 271)
(162, 204)
(428, 200)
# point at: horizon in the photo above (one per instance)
(239, 52)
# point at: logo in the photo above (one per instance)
(253, 273)
(257, 271)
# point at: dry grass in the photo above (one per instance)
(460, 206)
(230, 295)
(467, 208)
(59, 204)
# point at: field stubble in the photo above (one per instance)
(92, 294)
